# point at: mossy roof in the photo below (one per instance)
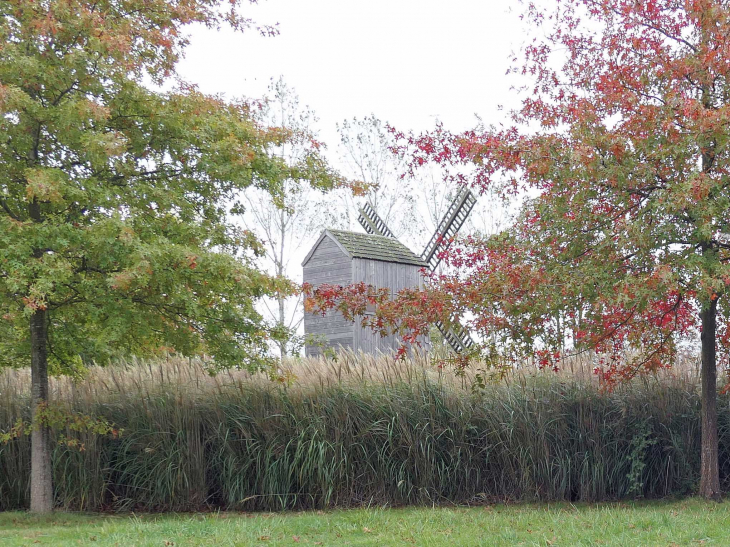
(385, 249)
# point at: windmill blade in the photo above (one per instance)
(373, 224)
(449, 226)
(456, 336)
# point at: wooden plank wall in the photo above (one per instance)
(382, 274)
(328, 264)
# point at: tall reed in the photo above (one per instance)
(361, 430)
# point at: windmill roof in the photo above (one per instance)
(385, 249)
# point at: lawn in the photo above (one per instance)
(685, 522)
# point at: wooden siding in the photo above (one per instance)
(328, 264)
(382, 274)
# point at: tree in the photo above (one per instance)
(115, 199)
(367, 151)
(621, 155)
(285, 223)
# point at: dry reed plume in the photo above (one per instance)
(361, 430)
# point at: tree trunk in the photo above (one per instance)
(282, 321)
(709, 468)
(41, 484)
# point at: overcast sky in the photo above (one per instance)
(409, 62)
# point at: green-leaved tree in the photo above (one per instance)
(115, 197)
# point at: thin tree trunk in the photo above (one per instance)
(280, 272)
(282, 321)
(41, 484)
(709, 468)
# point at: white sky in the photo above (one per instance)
(409, 62)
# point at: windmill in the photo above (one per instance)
(454, 333)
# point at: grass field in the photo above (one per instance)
(666, 523)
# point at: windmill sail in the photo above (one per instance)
(448, 227)
(455, 334)
(373, 224)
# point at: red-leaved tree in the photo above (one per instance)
(620, 153)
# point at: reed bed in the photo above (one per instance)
(361, 430)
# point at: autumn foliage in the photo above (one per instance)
(619, 155)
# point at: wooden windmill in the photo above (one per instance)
(379, 259)
(455, 334)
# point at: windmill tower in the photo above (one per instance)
(379, 259)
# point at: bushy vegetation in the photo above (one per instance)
(358, 432)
